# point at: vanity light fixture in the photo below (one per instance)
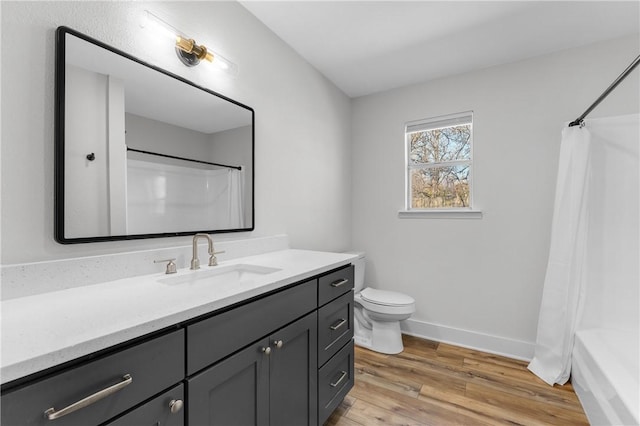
(188, 50)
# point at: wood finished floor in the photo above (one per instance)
(433, 383)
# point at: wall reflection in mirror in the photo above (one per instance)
(143, 153)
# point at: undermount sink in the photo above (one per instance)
(238, 273)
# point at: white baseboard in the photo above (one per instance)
(469, 339)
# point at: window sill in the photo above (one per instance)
(440, 214)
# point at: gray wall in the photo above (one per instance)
(302, 130)
(87, 201)
(479, 281)
(156, 136)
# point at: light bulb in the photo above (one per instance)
(158, 26)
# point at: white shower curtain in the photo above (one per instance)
(226, 198)
(162, 195)
(236, 198)
(565, 278)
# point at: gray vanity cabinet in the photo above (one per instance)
(272, 381)
(285, 358)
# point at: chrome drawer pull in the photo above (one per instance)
(338, 283)
(52, 414)
(175, 405)
(342, 377)
(340, 323)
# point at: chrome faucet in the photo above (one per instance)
(195, 262)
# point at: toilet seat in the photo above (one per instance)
(385, 307)
(386, 298)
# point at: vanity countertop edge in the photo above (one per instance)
(49, 329)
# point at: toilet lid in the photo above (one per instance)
(384, 297)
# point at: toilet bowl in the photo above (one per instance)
(378, 314)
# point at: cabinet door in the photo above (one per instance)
(293, 384)
(233, 392)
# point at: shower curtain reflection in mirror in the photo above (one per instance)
(161, 195)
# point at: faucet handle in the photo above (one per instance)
(213, 260)
(171, 266)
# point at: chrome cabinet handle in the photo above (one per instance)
(52, 414)
(339, 324)
(266, 350)
(278, 343)
(342, 377)
(338, 283)
(175, 405)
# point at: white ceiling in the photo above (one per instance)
(369, 46)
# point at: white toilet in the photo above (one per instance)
(378, 314)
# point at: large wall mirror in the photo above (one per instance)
(142, 152)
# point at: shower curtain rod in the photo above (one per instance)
(625, 73)
(184, 159)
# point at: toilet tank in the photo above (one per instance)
(359, 264)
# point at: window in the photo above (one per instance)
(439, 163)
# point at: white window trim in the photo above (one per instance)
(461, 213)
(436, 213)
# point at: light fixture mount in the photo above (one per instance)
(189, 59)
(190, 52)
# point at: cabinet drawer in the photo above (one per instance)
(335, 380)
(335, 326)
(212, 339)
(334, 284)
(152, 367)
(157, 412)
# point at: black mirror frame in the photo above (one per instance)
(59, 145)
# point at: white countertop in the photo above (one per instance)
(48, 329)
